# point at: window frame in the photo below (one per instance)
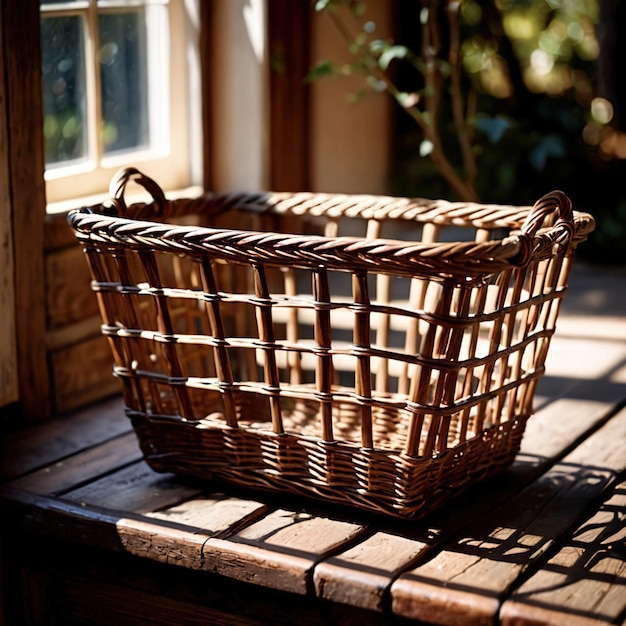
(171, 159)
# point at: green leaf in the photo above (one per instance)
(323, 68)
(375, 84)
(549, 146)
(493, 127)
(391, 53)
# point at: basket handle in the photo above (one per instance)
(117, 189)
(560, 233)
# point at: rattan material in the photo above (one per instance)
(372, 351)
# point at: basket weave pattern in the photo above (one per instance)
(373, 351)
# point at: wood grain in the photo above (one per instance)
(361, 575)
(29, 449)
(69, 297)
(82, 468)
(9, 391)
(28, 201)
(57, 233)
(585, 580)
(213, 514)
(469, 577)
(136, 489)
(83, 374)
(289, 110)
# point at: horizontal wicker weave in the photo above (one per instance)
(372, 351)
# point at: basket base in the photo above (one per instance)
(346, 474)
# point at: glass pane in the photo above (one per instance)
(64, 94)
(124, 81)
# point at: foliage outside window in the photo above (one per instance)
(497, 101)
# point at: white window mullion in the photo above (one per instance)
(94, 102)
(159, 51)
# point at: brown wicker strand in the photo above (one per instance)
(268, 346)
(363, 373)
(177, 378)
(216, 328)
(324, 361)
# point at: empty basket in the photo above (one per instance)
(373, 351)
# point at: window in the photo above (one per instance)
(115, 74)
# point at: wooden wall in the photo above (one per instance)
(79, 359)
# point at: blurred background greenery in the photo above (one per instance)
(500, 101)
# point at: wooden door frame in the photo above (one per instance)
(23, 161)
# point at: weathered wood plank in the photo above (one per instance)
(35, 447)
(283, 570)
(136, 489)
(91, 588)
(162, 543)
(83, 374)
(469, 578)
(303, 537)
(361, 575)
(584, 583)
(57, 232)
(214, 514)
(307, 534)
(69, 297)
(83, 330)
(72, 472)
(60, 519)
(28, 200)
(243, 562)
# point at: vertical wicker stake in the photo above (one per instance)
(177, 378)
(294, 361)
(382, 326)
(430, 388)
(107, 299)
(106, 304)
(363, 373)
(450, 346)
(126, 311)
(222, 360)
(268, 341)
(324, 364)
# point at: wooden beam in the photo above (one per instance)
(22, 83)
(289, 39)
(8, 356)
(207, 9)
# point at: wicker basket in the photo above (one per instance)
(372, 351)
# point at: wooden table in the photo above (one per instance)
(91, 535)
